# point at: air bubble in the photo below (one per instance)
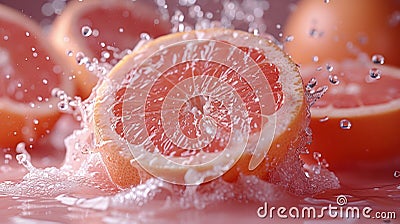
(326, 1)
(35, 121)
(375, 73)
(333, 79)
(86, 31)
(396, 174)
(345, 124)
(121, 30)
(45, 81)
(378, 59)
(315, 59)
(27, 34)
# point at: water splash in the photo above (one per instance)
(312, 94)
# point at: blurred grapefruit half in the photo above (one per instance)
(102, 29)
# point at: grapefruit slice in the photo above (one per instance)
(190, 107)
(29, 70)
(101, 29)
(355, 122)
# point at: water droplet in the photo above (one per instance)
(27, 34)
(105, 54)
(312, 83)
(121, 30)
(396, 174)
(315, 59)
(35, 121)
(316, 169)
(95, 33)
(180, 17)
(329, 67)
(70, 53)
(378, 59)
(256, 32)
(375, 73)
(144, 36)
(289, 38)
(307, 174)
(86, 31)
(324, 119)
(45, 81)
(7, 158)
(313, 33)
(63, 106)
(324, 163)
(326, 1)
(5, 37)
(333, 79)
(81, 58)
(345, 124)
(317, 155)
